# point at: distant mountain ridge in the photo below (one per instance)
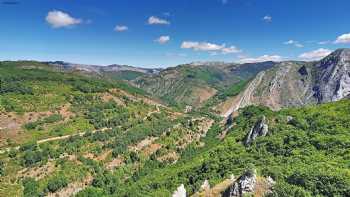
(195, 83)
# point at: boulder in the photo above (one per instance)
(260, 129)
(245, 184)
(205, 186)
(180, 191)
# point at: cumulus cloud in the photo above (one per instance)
(210, 47)
(315, 55)
(264, 58)
(58, 19)
(153, 20)
(162, 39)
(294, 43)
(343, 39)
(120, 28)
(267, 18)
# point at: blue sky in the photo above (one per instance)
(160, 33)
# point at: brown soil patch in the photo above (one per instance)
(100, 157)
(170, 157)
(115, 163)
(38, 172)
(144, 143)
(65, 112)
(72, 188)
(149, 150)
(11, 124)
(108, 96)
(261, 187)
(216, 190)
(203, 94)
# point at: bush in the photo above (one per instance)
(31, 187)
(57, 183)
(32, 157)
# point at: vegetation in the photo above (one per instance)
(108, 139)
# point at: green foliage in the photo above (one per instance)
(91, 192)
(31, 187)
(56, 183)
(47, 120)
(310, 160)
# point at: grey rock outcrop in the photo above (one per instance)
(290, 119)
(245, 184)
(333, 77)
(260, 129)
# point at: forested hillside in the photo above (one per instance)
(62, 132)
(70, 134)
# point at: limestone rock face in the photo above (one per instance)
(245, 184)
(259, 129)
(297, 83)
(180, 192)
(333, 77)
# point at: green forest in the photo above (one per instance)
(108, 138)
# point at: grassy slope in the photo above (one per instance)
(308, 156)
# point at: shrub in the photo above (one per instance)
(57, 183)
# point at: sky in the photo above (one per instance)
(162, 33)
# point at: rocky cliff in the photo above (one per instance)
(294, 83)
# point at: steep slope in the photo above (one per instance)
(295, 84)
(193, 84)
(305, 152)
(333, 77)
(63, 131)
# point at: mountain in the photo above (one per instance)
(70, 130)
(114, 71)
(293, 83)
(194, 84)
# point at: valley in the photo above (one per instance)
(203, 129)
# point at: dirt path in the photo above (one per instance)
(152, 112)
(2, 151)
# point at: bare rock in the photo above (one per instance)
(180, 192)
(260, 129)
(245, 184)
(205, 186)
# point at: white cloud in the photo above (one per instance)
(210, 47)
(120, 28)
(163, 39)
(343, 39)
(324, 42)
(315, 55)
(293, 42)
(267, 18)
(58, 19)
(264, 58)
(153, 20)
